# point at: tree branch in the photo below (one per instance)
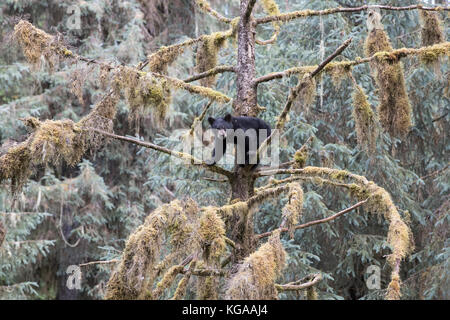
(250, 6)
(207, 272)
(314, 70)
(210, 72)
(285, 287)
(99, 262)
(181, 155)
(311, 223)
(294, 92)
(440, 48)
(308, 13)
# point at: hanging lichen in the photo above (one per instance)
(211, 234)
(137, 271)
(365, 120)
(255, 278)
(306, 93)
(16, 165)
(207, 52)
(394, 109)
(56, 140)
(212, 241)
(77, 81)
(293, 209)
(164, 57)
(144, 93)
(431, 33)
(338, 71)
(36, 44)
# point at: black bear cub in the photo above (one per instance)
(247, 133)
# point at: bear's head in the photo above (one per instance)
(221, 125)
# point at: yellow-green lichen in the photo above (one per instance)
(394, 110)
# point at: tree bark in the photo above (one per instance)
(245, 103)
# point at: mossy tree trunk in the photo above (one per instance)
(245, 104)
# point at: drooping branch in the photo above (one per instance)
(295, 286)
(378, 200)
(210, 72)
(308, 13)
(319, 221)
(192, 160)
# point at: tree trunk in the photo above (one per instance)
(245, 104)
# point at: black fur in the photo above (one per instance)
(235, 123)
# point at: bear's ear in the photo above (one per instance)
(211, 120)
(228, 117)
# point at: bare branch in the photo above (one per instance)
(309, 13)
(285, 287)
(311, 223)
(99, 262)
(181, 155)
(210, 72)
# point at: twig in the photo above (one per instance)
(210, 72)
(440, 117)
(434, 173)
(99, 262)
(311, 223)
